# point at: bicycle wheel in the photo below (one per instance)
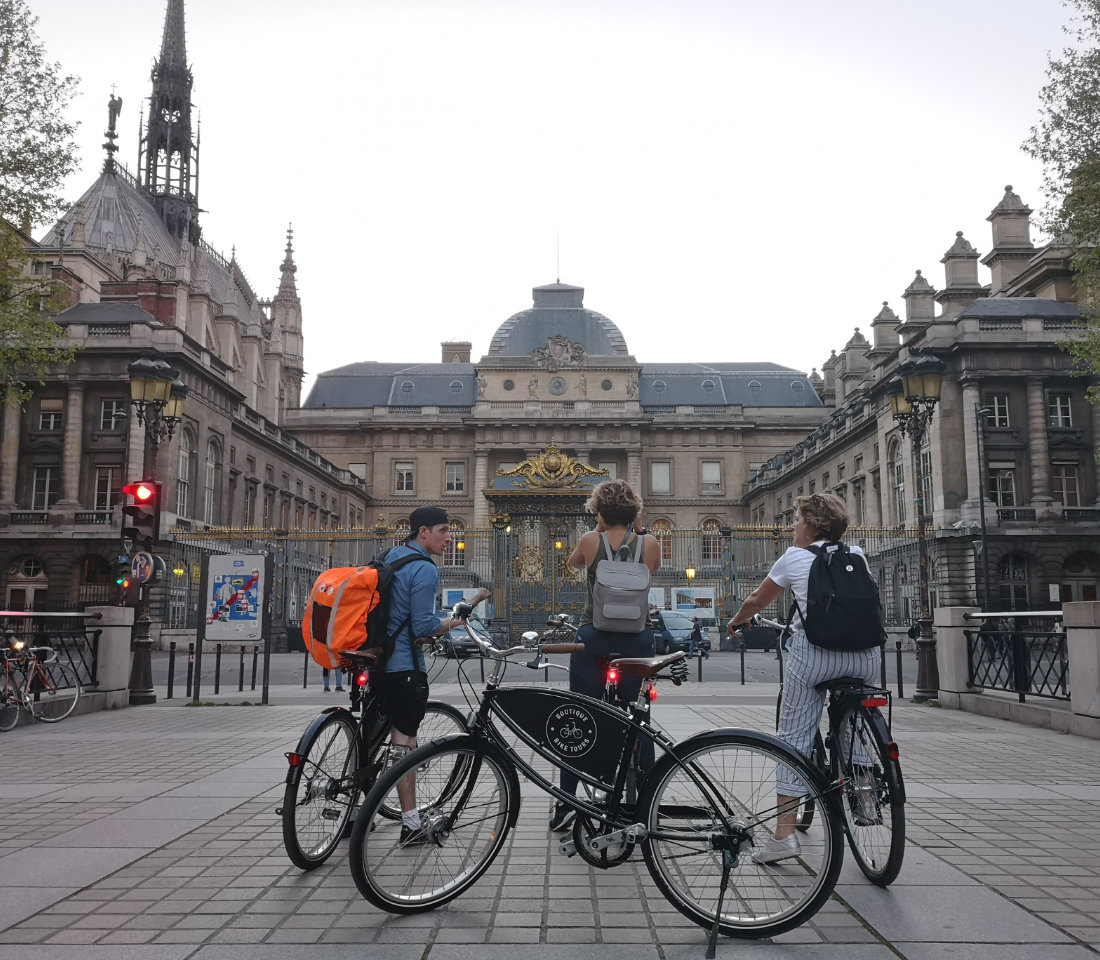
(462, 833)
(806, 804)
(712, 809)
(10, 706)
(55, 689)
(873, 804)
(440, 720)
(317, 807)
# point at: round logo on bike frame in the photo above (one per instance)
(571, 730)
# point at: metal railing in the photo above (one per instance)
(1031, 658)
(69, 634)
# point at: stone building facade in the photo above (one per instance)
(1008, 469)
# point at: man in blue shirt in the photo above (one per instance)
(412, 616)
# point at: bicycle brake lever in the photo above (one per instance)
(679, 672)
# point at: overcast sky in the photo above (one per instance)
(728, 179)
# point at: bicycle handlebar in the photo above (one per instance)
(562, 648)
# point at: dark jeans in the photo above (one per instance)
(587, 676)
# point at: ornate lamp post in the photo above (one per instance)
(913, 400)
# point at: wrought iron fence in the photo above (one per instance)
(726, 564)
(70, 635)
(1024, 660)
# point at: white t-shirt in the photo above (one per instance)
(793, 570)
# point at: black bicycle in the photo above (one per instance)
(702, 810)
(859, 754)
(339, 757)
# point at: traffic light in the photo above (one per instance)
(143, 530)
(127, 586)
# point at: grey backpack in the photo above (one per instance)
(620, 594)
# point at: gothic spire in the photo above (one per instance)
(287, 287)
(169, 161)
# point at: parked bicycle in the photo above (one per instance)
(37, 682)
(859, 754)
(338, 758)
(701, 810)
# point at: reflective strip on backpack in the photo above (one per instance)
(332, 615)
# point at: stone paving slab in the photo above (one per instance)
(154, 836)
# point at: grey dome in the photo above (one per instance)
(558, 311)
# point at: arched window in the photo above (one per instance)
(211, 481)
(711, 543)
(897, 481)
(662, 530)
(1012, 582)
(400, 531)
(183, 473)
(454, 557)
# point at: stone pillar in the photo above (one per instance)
(634, 471)
(975, 469)
(9, 452)
(1082, 623)
(481, 482)
(1040, 453)
(72, 457)
(951, 655)
(135, 450)
(113, 669)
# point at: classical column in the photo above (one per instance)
(72, 457)
(9, 452)
(975, 488)
(135, 450)
(1037, 443)
(481, 482)
(634, 470)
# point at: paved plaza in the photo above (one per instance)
(150, 834)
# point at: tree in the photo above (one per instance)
(36, 154)
(37, 150)
(1067, 142)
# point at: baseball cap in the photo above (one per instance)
(426, 517)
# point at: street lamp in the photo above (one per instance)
(690, 573)
(914, 395)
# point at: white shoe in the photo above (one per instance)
(774, 850)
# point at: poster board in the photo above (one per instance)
(696, 601)
(236, 587)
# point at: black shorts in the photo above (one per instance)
(404, 698)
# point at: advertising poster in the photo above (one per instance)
(658, 598)
(234, 604)
(695, 601)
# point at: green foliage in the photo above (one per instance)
(36, 142)
(1066, 141)
(30, 340)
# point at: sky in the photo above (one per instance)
(729, 180)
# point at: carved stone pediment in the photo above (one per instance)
(559, 352)
(552, 468)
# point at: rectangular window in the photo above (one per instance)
(112, 414)
(455, 480)
(44, 488)
(611, 467)
(50, 419)
(1058, 410)
(839, 472)
(859, 505)
(269, 508)
(825, 480)
(107, 487)
(1064, 484)
(1002, 485)
(712, 476)
(997, 410)
(813, 486)
(660, 477)
(359, 469)
(926, 482)
(269, 474)
(403, 478)
(250, 466)
(250, 504)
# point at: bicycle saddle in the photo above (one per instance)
(646, 667)
(844, 685)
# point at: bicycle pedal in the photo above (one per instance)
(330, 813)
(568, 847)
(636, 833)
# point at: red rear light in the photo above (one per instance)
(612, 675)
(362, 679)
(875, 701)
(294, 759)
(892, 750)
(652, 694)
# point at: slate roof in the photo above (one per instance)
(109, 312)
(373, 384)
(1020, 307)
(558, 311)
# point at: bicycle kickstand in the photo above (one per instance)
(728, 862)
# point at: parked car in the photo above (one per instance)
(457, 644)
(672, 630)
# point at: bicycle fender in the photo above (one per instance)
(819, 782)
(294, 774)
(893, 770)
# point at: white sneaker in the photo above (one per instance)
(774, 850)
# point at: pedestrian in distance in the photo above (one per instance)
(695, 641)
(819, 519)
(325, 673)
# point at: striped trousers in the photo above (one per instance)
(800, 714)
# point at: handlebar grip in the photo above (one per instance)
(562, 648)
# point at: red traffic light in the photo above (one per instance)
(141, 491)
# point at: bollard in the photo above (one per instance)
(218, 668)
(190, 667)
(255, 658)
(171, 668)
(901, 685)
(240, 672)
(699, 666)
(741, 647)
(305, 671)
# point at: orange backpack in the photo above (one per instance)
(350, 605)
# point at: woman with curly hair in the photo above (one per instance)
(617, 508)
